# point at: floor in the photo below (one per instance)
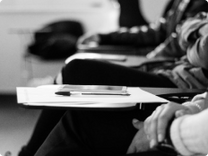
(16, 125)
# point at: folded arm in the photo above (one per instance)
(194, 39)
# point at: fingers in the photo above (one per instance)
(137, 124)
(190, 79)
(151, 127)
(184, 79)
(140, 142)
(178, 80)
(131, 149)
(166, 115)
(155, 125)
(180, 113)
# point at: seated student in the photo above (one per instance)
(191, 71)
(95, 133)
(156, 39)
(159, 81)
(193, 34)
(130, 80)
(196, 24)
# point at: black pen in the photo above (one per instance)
(67, 93)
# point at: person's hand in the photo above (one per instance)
(184, 79)
(140, 142)
(156, 124)
(89, 39)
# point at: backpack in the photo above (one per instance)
(56, 40)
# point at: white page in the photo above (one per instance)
(45, 96)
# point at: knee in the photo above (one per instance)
(76, 64)
(75, 69)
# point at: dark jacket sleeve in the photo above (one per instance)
(154, 34)
(142, 36)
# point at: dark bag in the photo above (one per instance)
(56, 40)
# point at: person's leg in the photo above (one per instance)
(46, 122)
(91, 72)
(93, 132)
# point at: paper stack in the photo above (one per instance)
(47, 96)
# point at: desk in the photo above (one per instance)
(171, 94)
(165, 92)
(115, 49)
(122, 55)
(138, 98)
(125, 60)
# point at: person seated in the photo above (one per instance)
(191, 71)
(193, 34)
(181, 74)
(128, 79)
(102, 133)
(155, 39)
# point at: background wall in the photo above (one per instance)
(19, 18)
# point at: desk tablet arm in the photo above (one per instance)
(174, 95)
(115, 49)
(183, 95)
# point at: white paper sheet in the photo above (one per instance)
(45, 96)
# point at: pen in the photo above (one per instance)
(67, 93)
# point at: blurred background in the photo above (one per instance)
(20, 18)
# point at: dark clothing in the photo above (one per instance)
(130, 14)
(46, 122)
(160, 32)
(92, 72)
(83, 72)
(93, 133)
